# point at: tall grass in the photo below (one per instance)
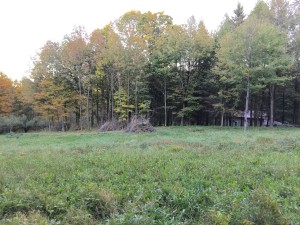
(178, 175)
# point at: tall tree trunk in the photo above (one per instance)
(222, 116)
(255, 112)
(49, 125)
(102, 104)
(247, 104)
(108, 98)
(182, 117)
(283, 106)
(296, 102)
(112, 97)
(62, 124)
(97, 106)
(80, 102)
(128, 98)
(136, 99)
(251, 112)
(222, 112)
(272, 92)
(295, 107)
(87, 108)
(242, 121)
(262, 109)
(165, 101)
(92, 109)
(207, 119)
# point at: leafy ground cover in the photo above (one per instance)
(178, 175)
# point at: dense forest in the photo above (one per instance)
(142, 64)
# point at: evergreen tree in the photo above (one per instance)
(239, 15)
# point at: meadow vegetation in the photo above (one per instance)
(178, 175)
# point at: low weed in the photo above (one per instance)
(30, 218)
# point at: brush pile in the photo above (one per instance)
(139, 125)
(112, 125)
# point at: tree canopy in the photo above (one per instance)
(144, 64)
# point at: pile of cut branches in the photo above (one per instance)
(112, 125)
(139, 125)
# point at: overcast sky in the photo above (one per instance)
(26, 25)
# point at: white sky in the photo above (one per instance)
(26, 25)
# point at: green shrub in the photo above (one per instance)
(21, 123)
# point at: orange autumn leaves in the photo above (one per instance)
(6, 94)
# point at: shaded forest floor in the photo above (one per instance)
(178, 175)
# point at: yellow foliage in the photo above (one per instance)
(6, 94)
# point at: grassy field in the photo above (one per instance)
(178, 175)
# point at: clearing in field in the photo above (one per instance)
(178, 175)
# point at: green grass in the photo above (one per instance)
(178, 175)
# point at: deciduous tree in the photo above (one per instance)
(6, 94)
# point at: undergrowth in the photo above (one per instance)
(178, 175)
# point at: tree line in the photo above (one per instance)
(143, 64)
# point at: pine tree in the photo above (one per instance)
(239, 15)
